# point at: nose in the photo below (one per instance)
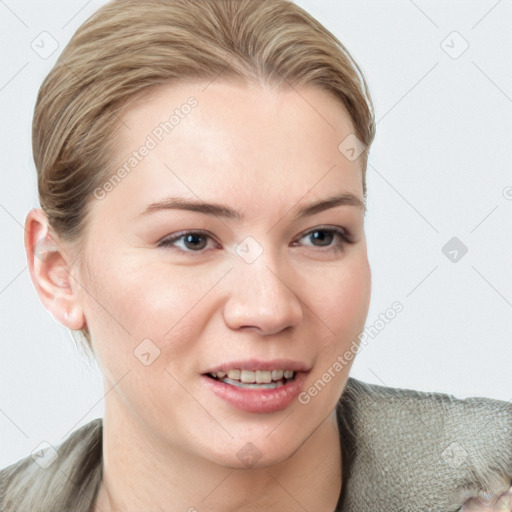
(261, 299)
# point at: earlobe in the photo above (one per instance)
(73, 317)
(50, 272)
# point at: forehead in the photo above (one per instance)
(226, 141)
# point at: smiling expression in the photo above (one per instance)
(236, 244)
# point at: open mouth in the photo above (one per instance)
(257, 379)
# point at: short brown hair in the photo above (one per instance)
(128, 46)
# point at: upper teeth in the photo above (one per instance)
(258, 376)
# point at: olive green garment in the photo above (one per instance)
(403, 450)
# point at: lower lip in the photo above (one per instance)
(257, 400)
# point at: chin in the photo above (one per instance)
(259, 450)
(251, 457)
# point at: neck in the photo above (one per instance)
(141, 474)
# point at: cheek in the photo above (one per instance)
(345, 302)
(356, 285)
(171, 305)
(342, 307)
(132, 303)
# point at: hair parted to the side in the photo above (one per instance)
(127, 47)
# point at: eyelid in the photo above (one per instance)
(343, 233)
(168, 240)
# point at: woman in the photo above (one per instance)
(201, 171)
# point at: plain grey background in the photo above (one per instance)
(440, 76)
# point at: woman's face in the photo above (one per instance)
(263, 283)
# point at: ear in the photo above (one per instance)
(50, 272)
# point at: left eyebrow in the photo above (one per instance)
(331, 202)
(219, 210)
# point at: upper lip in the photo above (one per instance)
(256, 364)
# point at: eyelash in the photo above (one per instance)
(345, 239)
